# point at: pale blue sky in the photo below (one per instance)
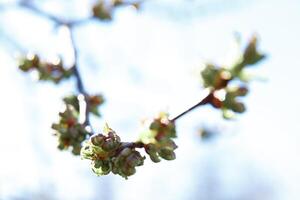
(146, 62)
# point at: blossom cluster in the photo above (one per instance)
(69, 131)
(109, 154)
(47, 71)
(158, 139)
(229, 81)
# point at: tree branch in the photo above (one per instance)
(80, 87)
(28, 5)
(79, 82)
(207, 99)
(59, 22)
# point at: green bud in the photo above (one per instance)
(98, 139)
(155, 125)
(135, 159)
(117, 2)
(86, 151)
(227, 114)
(101, 167)
(61, 146)
(251, 55)
(125, 172)
(167, 154)
(101, 11)
(106, 167)
(76, 149)
(110, 145)
(152, 152)
(238, 107)
(242, 91)
(126, 152)
(112, 141)
(97, 163)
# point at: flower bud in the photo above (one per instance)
(100, 11)
(111, 143)
(238, 107)
(98, 139)
(101, 167)
(242, 91)
(167, 154)
(152, 152)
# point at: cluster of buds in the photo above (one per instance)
(219, 78)
(109, 154)
(214, 77)
(69, 131)
(52, 71)
(158, 139)
(249, 57)
(93, 102)
(104, 10)
(231, 102)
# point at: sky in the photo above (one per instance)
(145, 62)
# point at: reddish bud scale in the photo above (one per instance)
(94, 100)
(215, 102)
(160, 135)
(66, 142)
(71, 122)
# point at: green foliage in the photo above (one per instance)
(47, 71)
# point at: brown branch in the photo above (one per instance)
(59, 22)
(28, 5)
(79, 82)
(80, 87)
(131, 145)
(207, 99)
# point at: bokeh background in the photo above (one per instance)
(145, 62)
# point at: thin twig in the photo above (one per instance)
(28, 5)
(133, 145)
(80, 86)
(59, 22)
(130, 145)
(79, 82)
(207, 99)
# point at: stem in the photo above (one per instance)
(28, 5)
(131, 145)
(205, 100)
(80, 87)
(79, 82)
(59, 22)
